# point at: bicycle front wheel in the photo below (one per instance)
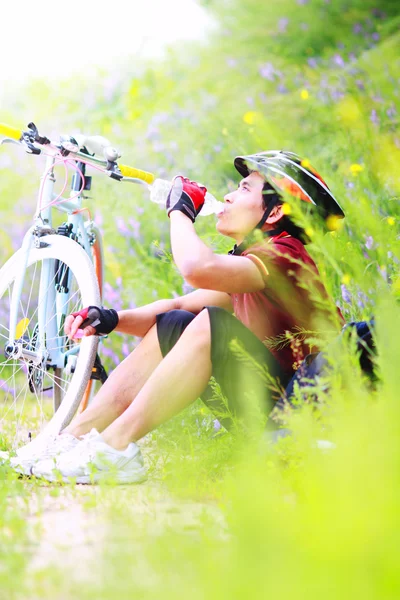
(44, 364)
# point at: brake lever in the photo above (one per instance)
(9, 141)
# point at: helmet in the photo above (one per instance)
(286, 173)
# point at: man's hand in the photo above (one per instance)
(186, 196)
(92, 320)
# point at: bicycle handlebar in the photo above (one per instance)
(114, 170)
(11, 132)
(128, 171)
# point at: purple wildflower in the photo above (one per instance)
(125, 349)
(369, 242)
(391, 112)
(98, 219)
(357, 28)
(362, 299)
(111, 354)
(231, 62)
(374, 117)
(4, 387)
(304, 26)
(282, 89)
(338, 60)
(345, 294)
(282, 25)
(375, 36)
(135, 225)
(217, 425)
(267, 71)
(121, 226)
(112, 296)
(312, 62)
(250, 101)
(302, 1)
(336, 95)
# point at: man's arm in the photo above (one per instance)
(138, 321)
(203, 269)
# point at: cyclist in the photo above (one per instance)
(268, 287)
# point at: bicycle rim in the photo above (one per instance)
(27, 387)
(97, 255)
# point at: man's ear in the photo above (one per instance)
(276, 215)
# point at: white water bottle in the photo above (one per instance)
(160, 189)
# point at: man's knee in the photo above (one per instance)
(200, 328)
(170, 326)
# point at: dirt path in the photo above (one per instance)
(71, 530)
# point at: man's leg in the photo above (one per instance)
(121, 387)
(178, 380)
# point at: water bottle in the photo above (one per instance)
(160, 189)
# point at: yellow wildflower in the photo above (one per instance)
(309, 231)
(305, 163)
(333, 223)
(249, 117)
(346, 279)
(304, 95)
(355, 169)
(391, 221)
(286, 208)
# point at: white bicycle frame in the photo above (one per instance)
(49, 325)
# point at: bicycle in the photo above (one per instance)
(55, 272)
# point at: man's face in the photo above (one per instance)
(243, 208)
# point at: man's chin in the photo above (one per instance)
(223, 231)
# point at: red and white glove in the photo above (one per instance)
(186, 196)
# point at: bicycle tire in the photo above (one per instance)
(90, 390)
(69, 253)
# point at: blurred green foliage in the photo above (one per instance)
(320, 78)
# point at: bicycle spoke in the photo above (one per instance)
(29, 391)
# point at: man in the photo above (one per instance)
(268, 281)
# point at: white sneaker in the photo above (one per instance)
(91, 461)
(29, 455)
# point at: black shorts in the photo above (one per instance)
(249, 376)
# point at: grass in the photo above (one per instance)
(223, 515)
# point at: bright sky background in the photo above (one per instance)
(56, 39)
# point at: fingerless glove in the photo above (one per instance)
(104, 320)
(186, 196)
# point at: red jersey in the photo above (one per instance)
(294, 304)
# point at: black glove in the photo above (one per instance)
(104, 320)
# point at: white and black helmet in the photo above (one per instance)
(287, 173)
